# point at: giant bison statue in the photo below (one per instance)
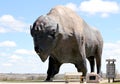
(65, 37)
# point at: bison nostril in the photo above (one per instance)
(37, 49)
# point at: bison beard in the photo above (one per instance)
(66, 38)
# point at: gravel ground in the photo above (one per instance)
(43, 83)
(104, 81)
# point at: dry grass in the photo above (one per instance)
(37, 78)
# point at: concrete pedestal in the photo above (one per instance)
(92, 78)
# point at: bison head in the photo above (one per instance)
(44, 33)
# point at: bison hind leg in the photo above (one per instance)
(98, 64)
(91, 60)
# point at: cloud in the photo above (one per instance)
(9, 24)
(99, 6)
(25, 52)
(2, 30)
(15, 57)
(72, 6)
(7, 64)
(92, 7)
(111, 51)
(7, 44)
(104, 15)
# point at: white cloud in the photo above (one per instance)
(25, 52)
(15, 57)
(7, 44)
(7, 64)
(104, 15)
(92, 7)
(99, 6)
(9, 24)
(72, 6)
(111, 51)
(2, 30)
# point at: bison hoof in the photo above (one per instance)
(49, 80)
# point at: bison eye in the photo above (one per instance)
(51, 36)
(53, 32)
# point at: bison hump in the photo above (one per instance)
(70, 22)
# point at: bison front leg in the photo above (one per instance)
(53, 69)
(82, 67)
(81, 63)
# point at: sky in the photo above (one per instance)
(17, 53)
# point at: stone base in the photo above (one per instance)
(92, 78)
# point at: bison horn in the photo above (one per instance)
(39, 28)
(57, 30)
(35, 28)
(30, 27)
